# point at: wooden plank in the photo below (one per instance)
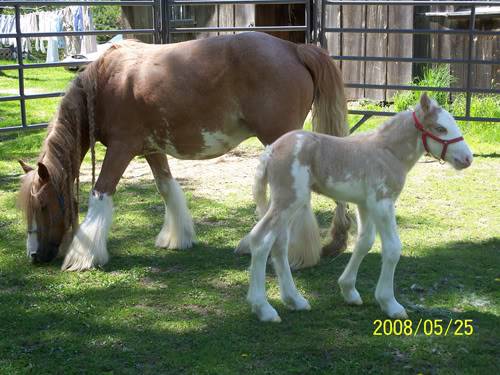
(376, 45)
(245, 15)
(352, 44)
(399, 45)
(332, 19)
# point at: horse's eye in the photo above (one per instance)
(441, 130)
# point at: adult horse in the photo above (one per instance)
(192, 100)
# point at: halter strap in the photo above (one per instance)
(425, 134)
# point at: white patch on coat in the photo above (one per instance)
(88, 248)
(32, 241)
(218, 143)
(346, 191)
(300, 174)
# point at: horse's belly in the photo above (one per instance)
(345, 191)
(205, 145)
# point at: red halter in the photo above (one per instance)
(425, 134)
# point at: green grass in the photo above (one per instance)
(35, 82)
(165, 311)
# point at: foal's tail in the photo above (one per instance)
(259, 195)
(329, 117)
(260, 183)
(330, 105)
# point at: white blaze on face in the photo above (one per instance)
(32, 241)
(457, 152)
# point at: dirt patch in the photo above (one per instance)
(215, 178)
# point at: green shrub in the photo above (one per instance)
(106, 18)
(433, 77)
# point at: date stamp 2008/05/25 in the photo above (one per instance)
(428, 327)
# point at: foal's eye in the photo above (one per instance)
(441, 130)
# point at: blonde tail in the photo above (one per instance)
(259, 195)
(304, 248)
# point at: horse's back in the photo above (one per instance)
(238, 86)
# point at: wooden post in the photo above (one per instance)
(138, 17)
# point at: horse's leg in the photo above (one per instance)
(366, 237)
(88, 248)
(178, 230)
(339, 231)
(261, 240)
(385, 222)
(289, 293)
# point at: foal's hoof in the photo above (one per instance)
(243, 247)
(402, 314)
(298, 303)
(266, 313)
(396, 311)
(352, 297)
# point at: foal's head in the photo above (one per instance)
(44, 206)
(440, 134)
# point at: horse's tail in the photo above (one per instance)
(329, 117)
(329, 105)
(259, 194)
(304, 246)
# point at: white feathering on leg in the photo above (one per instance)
(88, 248)
(178, 229)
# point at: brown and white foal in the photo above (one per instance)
(366, 169)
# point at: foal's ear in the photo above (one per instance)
(26, 168)
(425, 102)
(43, 173)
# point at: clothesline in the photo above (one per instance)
(72, 18)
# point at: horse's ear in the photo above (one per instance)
(43, 172)
(425, 102)
(26, 168)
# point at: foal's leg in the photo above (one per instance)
(385, 221)
(178, 230)
(88, 247)
(366, 237)
(261, 240)
(289, 293)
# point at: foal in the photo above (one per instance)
(366, 169)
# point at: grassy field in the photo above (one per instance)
(169, 311)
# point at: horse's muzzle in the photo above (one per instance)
(44, 256)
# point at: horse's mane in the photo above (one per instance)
(61, 150)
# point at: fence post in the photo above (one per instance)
(468, 94)
(165, 21)
(19, 42)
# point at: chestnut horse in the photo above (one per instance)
(191, 100)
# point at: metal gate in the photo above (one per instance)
(165, 25)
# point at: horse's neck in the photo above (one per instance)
(400, 136)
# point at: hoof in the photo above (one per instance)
(266, 313)
(394, 310)
(298, 303)
(243, 247)
(352, 297)
(169, 240)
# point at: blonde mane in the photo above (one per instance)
(61, 152)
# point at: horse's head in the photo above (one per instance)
(43, 204)
(440, 134)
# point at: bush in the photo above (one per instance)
(433, 77)
(106, 18)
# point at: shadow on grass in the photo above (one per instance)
(182, 315)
